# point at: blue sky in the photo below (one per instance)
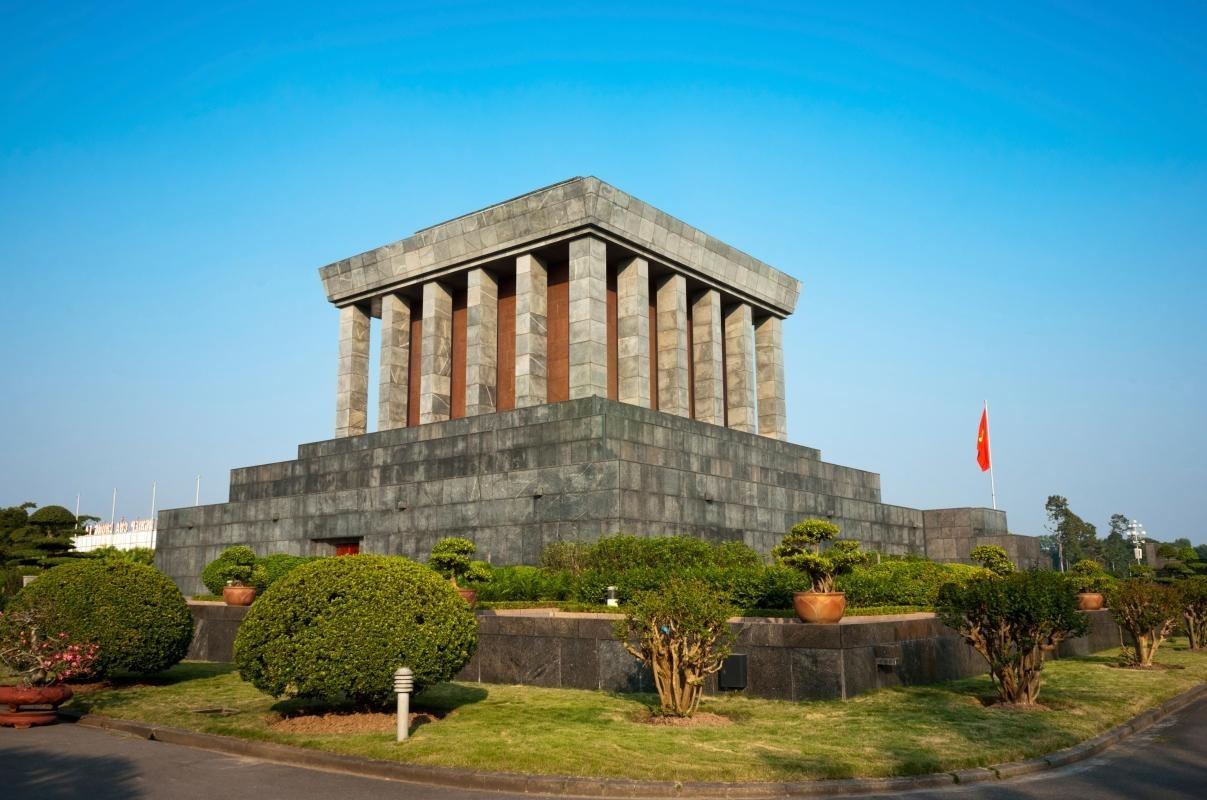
(981, 203)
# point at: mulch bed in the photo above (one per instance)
(701, 719)
(349, 722)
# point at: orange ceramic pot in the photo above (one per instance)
(17, 696)
(469, 595)
(819, 606)
(1090, 601)
(238, 595)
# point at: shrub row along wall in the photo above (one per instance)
(786, 659)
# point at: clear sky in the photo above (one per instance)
(982, 203)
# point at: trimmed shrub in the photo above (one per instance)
(615, 554)
(909, 582)
(568, 557)
(1087, 575)
(681, 633)
(993, 558)
(1192, 594)
(451, 557)
(1011, 621)
(337, 628)
(525, 583)
(140, 555)
(133, 613)
(278, 565)
(1148, 612)
(236, 564)
(801, 550)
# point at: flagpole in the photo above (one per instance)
(989, 450)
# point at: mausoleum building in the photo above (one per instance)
(564, 365)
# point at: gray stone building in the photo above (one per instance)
(564, 365)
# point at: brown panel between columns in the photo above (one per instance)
(505, 399)
(415, 368)
(460, 321)
(558, 388)
(613, 392)
(653, 347)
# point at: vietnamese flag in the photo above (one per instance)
(982, 441)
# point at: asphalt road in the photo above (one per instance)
(1168, 760)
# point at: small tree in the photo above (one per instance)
(235, 565)
(993, 558)
(682, 634)
(1011, 621)
(1087, 576)
(451, 557)
(1193, 595)
(1148, 612)
(801, 550)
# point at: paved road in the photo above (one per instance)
(67, 761)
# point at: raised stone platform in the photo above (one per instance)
(515, 481)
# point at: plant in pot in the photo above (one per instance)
(801, 550)
(451, 557)
(236, 575)
(1089, 580)
(42, 658)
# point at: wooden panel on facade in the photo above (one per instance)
(653, 346)
(415, 368)
(691, 366)
(457, 379)
(613, 391)
(505, 397)
(558, 386)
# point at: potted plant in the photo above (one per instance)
(238, 593)
(42, 659)
(451, 558)
(1089, 580)
(801, 550)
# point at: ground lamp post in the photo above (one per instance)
(1136, 531)
(404, 682)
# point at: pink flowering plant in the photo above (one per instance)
(31, 648)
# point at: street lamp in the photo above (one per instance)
(1136, 531)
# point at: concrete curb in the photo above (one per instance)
(565, 786)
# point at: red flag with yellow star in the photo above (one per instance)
(982, 441)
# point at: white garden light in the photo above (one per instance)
(404, 682)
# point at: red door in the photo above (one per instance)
(347, 549)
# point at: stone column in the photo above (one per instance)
(481, 342)
(769, 361)
(673, 397)
(588, 318)
(633, 332)
(531, 331)
(707, 331)
(393, 389)
(352, 383)
(436, 362)
(739, 368)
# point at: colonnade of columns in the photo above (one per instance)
(706, 356)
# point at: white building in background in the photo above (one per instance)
(124, 535)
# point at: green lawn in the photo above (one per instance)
(570, 732)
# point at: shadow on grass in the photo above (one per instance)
(437, 700)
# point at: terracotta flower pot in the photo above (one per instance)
(1089, 601)
(238, 595)
(819, 606)
(468, 595)
(17, 696)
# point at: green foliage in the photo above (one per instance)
(41, 539)
(236, 564)
(525, 583)
(451, 557)
(570, 557)
(910, 582)
(616, 554)
(1087, 575)
(1192, 596)
(801, 550)
(1075, 538)
(1148, 611)
(132, 612)
(278, 565)
(139, 555)
(339, 627)
(993, 558)
(1011, 621)
(680, 632)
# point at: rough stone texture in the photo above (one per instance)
(352, 382)
(707, 332)
(562, 210)
(673, 393)
(633, 332)
(531, 331)
(786, 659)
(393, 389)
(769, 367)
(481, 342)
(739, 369)
(435, 382)
(588, 318)
(951, 533)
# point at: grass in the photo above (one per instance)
(901, 731)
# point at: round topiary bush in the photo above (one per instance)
(236, 563)
(132, 612)
(339, 627)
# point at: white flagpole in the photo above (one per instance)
(989, 450)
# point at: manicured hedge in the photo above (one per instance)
(339, 627)
(907, 582)
(133, 612)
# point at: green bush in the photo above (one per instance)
(801, 550)
(912, 582)
(337, 628)
(616, 554)
(568, 557)
(134, 613)
(680, 632)
(1192, 596)
(236, 564)
(1011, 621)
(1087, 575)
(525, 583)
(1148, 612)
(139, 555)
(278, 565)
(993, 558)
(451, 557)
